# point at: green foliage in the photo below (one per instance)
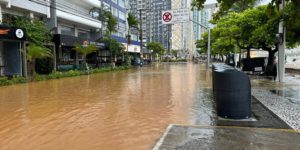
(132, 21)
(34, 51)
(15, 80)
(44, 66)
(292, 22)
(111, 22)
(176, 60)
(58, 75)
(37, 31)
(4, 81)
(174, 53)
(226, 6)
(114, 46)
(84, 50)
(156, 47)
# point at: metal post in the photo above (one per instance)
(281, 47)
(141, 32)
(208, 49)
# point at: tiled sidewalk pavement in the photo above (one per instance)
(282, 107)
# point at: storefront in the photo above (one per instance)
(66, 56)
(12, 60)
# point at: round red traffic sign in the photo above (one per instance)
(167, 16)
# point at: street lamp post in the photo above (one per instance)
(208, 42)
(141, 30)
(281, 46)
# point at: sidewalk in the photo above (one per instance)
(233, 138)
(292, 68)
(283, 99)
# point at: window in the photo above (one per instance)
(114, 11)
(67, 30)
(115, 1)
(122, 3)
(122, 15)
(106, 6)
(83, 34)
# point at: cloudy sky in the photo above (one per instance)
(214, 1)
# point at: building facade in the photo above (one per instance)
(119, 9)
(149, 13)
(71, 22)
(12, 61)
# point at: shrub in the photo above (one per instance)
(4, 81)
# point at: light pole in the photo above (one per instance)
(141, 30)
(281, 46)
(208, 42)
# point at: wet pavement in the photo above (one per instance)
(181, 137)
(283, 99)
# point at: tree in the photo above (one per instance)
(115, 46)
(226, 6)
(157, 48)
(132, 23)
(35, 52)
(84, 50)
(111, 26)
(174, 53)
(37, 31)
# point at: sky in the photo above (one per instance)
(214, 1)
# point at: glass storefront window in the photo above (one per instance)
(67, 30)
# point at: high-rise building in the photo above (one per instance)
(182, 33)
(149, 12)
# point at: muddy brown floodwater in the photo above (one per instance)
(118, 110)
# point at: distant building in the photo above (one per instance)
(153, 29)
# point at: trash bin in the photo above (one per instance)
(232, 91)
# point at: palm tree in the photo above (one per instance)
(111, 27)
(34, 52)
(84, 50)
(132, 23)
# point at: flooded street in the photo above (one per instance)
(117, 110)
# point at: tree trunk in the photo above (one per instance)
(85, 65)
(271, 63)
(31, 70)
(222, 58)
(248, 53)
(240, 58)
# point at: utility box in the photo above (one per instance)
(232, 91)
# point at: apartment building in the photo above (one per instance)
(149, 12)
(119, 9)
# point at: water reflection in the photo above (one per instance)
(119, 110)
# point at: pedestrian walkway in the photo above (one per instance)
(233, 138)
(283, 99)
